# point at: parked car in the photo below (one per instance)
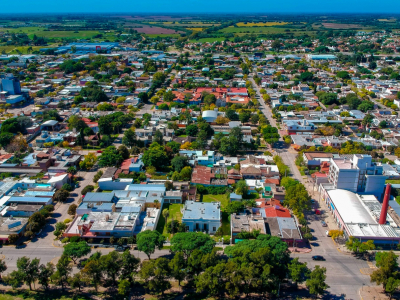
(99, 151)
(327, 233)
(317, 212)
(121, 248)
(324, 224)
(318, 257)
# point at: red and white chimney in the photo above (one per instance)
(385, 205)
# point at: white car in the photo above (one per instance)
(327, 233)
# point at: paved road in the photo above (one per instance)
(343, 271)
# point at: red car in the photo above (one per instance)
(317, 212)
(99, 151)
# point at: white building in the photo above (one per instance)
(358, 174)
(202, 216)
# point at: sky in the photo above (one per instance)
(200, 6)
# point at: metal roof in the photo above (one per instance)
(350, 207)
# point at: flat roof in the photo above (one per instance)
(350, 207)
(98, 197)
(29, 199)
(201, 210)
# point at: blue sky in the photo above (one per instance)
(201, 6)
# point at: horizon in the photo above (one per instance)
(221, 7)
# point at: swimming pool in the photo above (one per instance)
(43, 185)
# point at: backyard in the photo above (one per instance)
(174, 213)
(226, 224)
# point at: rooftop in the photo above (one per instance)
(201, 210)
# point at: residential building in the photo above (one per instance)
(202, 216)
(358, 174)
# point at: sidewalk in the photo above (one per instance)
(373, 293)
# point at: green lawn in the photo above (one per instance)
(226, 224)
(217, 198)
(174, 212)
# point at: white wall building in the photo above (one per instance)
(202, 216)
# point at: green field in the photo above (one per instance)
(42, 32)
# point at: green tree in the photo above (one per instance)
(241, 188)
(129, 264)
(124, 287)
(186, 173)
(110, 157)
(212, 280)
(177, 266)
(129, 138)
(387, 267)
(147, 241)
(3, 266)
(124, 152)
(111, 265)
(76, 250)
(45, 273)
(392, 285)
(179, 162)
(76, 281)
(187, 242)
(155, 156)
(61, 196)
(156, 274)
(298, 272)
(158, 137)
(63, 269)
(72, 209)
(27, 270)
(192, 130)
(316, 283)
(287, 182)
(93, 273)
(235, 207)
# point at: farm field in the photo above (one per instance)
(195, 28)
(147, 29)
(184, 24)
(261, 24)
(41, 32)
(173, 35)
(340, 26)
(263, 30)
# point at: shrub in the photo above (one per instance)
(74, 239)
(66, 221)
(67, 187)
(87, 189)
